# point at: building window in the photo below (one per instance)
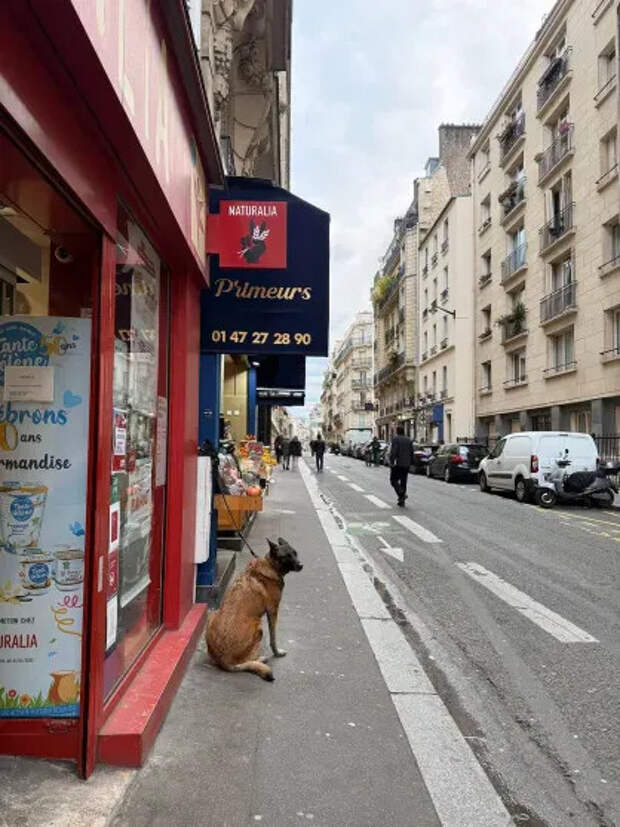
(485, 213)
(434, 382)
(541, 422)
(486, 376)
(435, 290)
(486, 263)
(445, 329)
(444, 379)
(445, 278)
(426, 383)
(484, 159)
(516, 367)
(612, 333)
(425, 352)
(609, 152)
(611, 247)
(434, 335)
(607, 65)
(562, 351)
(562, 272)
(486, 320)
(425, 298)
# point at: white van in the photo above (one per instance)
(519, 461)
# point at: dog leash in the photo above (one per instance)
(236, 530)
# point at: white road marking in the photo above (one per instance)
(556, 625)
(461, 792)
(415, 528)
(376, 501)
(397, 553)
(459, 788)
(342, 479)
(356, 487)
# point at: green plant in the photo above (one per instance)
(516, 317)
(381, 288)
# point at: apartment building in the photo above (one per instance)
(446, 371)
(444, 403)
(547, 237)
(352, 396)
(328, 402)
(394, 296)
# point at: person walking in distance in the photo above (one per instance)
(319, 451)
(295, 448)
(286, 453)
(375, 450)
(277, 447)
(401, 458)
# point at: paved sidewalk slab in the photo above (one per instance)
(322, 745)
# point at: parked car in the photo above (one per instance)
(520, 462)
(422, 455)
(456, 461)
(334, 448)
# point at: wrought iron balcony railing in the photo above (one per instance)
(558, 302)
(552, 77)
(511, 134)
(562, 146)
(561, 223)
(514, 261)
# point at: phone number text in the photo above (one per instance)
(259, 337)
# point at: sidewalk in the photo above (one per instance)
(322, 745)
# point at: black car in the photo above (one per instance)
(422, 455)
(457, 461)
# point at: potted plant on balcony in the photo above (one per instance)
(508, 198)
(516, 319)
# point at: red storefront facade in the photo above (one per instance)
(106, 154)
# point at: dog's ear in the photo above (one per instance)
(273, 547)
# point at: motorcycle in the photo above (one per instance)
(593, 488)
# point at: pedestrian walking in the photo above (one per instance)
(277, 447)
(295, 448)
(375, 450)
(401, 459)
(286, 454)
(319, 452)
(312, 444)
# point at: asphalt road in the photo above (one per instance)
(515, 613)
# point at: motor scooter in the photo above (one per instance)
(592, 488)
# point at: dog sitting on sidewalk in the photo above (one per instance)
(234, 631)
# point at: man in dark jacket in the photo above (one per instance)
(401, 458)
(319, 451)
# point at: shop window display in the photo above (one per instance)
(47, 277)
(138, 472)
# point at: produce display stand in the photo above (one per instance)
(235, 516)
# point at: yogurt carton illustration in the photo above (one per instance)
(68, 568)
(35, 570)
(22, 505)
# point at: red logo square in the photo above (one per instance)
(253, 234)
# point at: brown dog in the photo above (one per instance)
(234, 631)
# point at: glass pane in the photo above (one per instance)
(136, 486)
(46, 283)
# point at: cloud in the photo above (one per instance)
(371, 82)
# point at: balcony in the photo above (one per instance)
(443, 344)
(554, 78)
(514, 263)
(486, 334)
(562, 148)
(395, 363)
(360, 384)
(444, 245)
(433, 350)
(484, 279)
(443, 393)
(607, 177)
(444, 295)
(611, 354)
(609, 266)
(434, 258)
(513, 331)
(512, 200)
(560, 370)
(558, 303)
(485, 390)
(515, 382)
(361, 364)
(485, 225)
(561, 225)
(512, 137)
(425, 356)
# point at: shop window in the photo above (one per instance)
(47, 278)
(138, 473)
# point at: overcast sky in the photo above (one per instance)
(371, 82)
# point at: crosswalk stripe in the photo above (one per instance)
(342, 479)
(556, 625)
(415, 528)
(356, 487)
(376, 501)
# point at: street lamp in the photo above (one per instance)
(443, 310)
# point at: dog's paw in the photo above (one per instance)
(269, 677)
(279, 653)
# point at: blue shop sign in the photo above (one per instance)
(259, 309)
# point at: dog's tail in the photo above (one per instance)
(256, 666)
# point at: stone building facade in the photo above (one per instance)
(347, 399)
(547, 239)
(244, 48)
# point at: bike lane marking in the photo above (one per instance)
(356, 487)
(548, 620)
(460, 789)
(376, 501)
(415, 528)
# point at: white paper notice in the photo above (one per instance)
(111, 627)
(28, 384)
(161, 448)
(203, 509)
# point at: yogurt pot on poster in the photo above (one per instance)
(68, 568)
(22, 505)
(35, 570)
